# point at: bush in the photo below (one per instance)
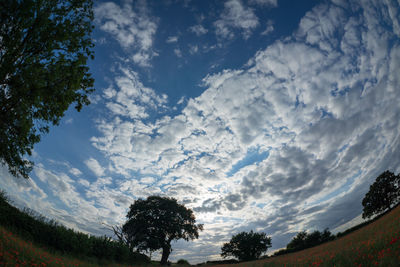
(183, 262)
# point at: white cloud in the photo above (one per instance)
(172, 39)
(75, 171)
(84, 182)
(178, 52)
(133, 29)
(193, 49)
(269, 28)
(235, 16)
(269, 3)
(128, 97)
(95, 167)
(198, 29)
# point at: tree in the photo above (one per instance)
(298, 242)
(383, 194)
(246, 246)
(44, 47)
(306, 240)
(153, 223)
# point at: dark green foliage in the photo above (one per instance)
(304, 240)
(182, 262)
(298, 242)
(153, 223)
(231, 261)
(383, 194)
(44, 47)
(246, 246)
(56, 237)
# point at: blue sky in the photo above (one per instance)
(263, 115)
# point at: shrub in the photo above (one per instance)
(183, 262)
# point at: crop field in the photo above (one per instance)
(377, 244)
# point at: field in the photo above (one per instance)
(377, 244)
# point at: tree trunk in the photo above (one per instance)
(165, 254)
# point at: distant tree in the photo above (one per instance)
(383, 194)
(153, 223)
(304, 240)
(298, 242)
(246, 246)
(44, 47)
(183, 262)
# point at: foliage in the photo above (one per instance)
(246, 246)
(153, 223)
(304, 240)
(44, 47)
(182, 262)
(383, 194)
(56, 237)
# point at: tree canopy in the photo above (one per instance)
(246, 246)
(153, 223)
(383, 194)
(305, 240)
(44, 47)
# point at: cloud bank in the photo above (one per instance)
(312, 120)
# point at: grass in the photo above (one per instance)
(377, 244)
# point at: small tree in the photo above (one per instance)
(153, 223)
(383, 194)
(44, 47)
(246, 246)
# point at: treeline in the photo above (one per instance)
(305, 240)
(56, 237)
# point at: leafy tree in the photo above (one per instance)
(153, 223)
(298, 242)
(44, 47)
(246, 246)
(304, 240)
(183, 262)
(383, 194)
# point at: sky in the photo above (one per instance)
(264, 115)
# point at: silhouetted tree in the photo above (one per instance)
(153, 223)
(246, 246)
(383, 194)
(304, 240)
(44, 46)
(298, 242)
